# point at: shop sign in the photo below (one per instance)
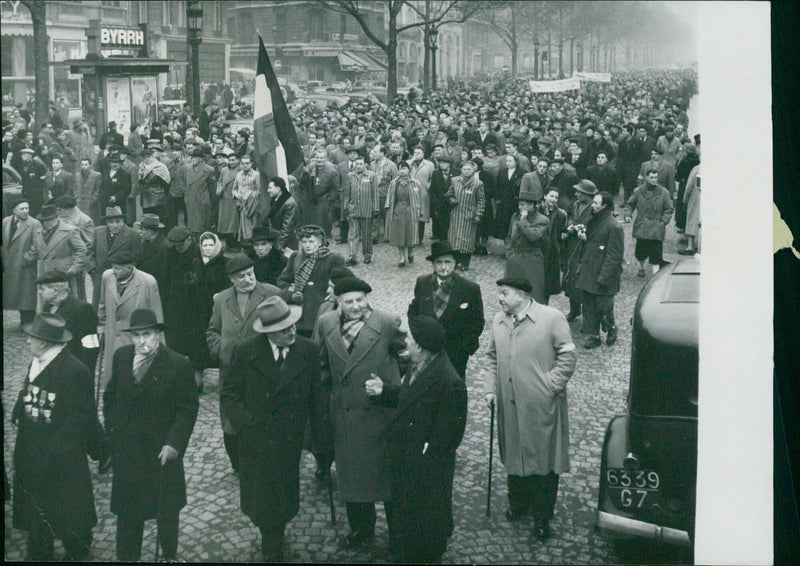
(116, 37)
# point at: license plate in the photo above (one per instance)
(632, 490)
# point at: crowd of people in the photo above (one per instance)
(197, 260)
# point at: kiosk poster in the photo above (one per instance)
(118, 101)
(143, 95)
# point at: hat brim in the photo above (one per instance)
(139, 225)
(66, 335)
(584, 191)
(440, 254)
(48, 216)
(112, 216)
(156, 325)
(295, 312)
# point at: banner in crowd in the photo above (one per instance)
(593, 77)
(277, 149)
(562, 85)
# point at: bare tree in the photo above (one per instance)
(512, 22)
(38, 10)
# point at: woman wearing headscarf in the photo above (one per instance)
(307, 274)
(213, 263)
(403, 208)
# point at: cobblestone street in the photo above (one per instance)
(213, 529)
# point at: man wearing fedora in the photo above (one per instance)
(267, 258)
(232, 316)
(527, 237)
(423, 437)
(150, 406)
(531, 359)
(123, 289)
(54, 413)
(114, 235)
(579, 216)
(116, 184)
(154, 183)
(452, 300)
(200, 184)
(357, 343)
(272, 388)
(19, 275)
(153, 252)
(58, 245)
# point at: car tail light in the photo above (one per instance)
(631, 462)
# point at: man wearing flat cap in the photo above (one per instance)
(357, 343)
(19, 275)
(452, 300)
(423, 437)
(149, 407)
(123, 289)
(272, 389)
(54, 414)
(232, 316)
(531, 358)
(58, 245)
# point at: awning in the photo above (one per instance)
(359, 62)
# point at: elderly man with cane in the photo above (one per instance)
(150, 407)
(532, 356)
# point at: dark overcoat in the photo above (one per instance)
(268, 406)
(315, 290)
(142, 419)
(153, 259)
(81, 320)
(524, 256)
(284, 217)
(601, 262)
(423, 437)
(50, 465)
(506, 191)
(359, 423)
(552, 248)
(462, 318)
(119, 186)
(99, 250)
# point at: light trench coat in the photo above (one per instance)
(530, 365)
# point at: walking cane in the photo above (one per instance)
(491, 445)
(160, 511)
(330, 497)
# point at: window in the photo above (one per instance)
(218, 17)
(112, 4)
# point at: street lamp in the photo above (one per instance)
(194, 29)
(536, 59)
(433, 35)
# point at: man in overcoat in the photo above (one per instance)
(356, 343)
(114, 235)
(232, 316)
(423, 437)
(87, 190)
(531, 358)
(116, 184)
(19, 276)
(601, 267)
(652, 203)
(123, 289)
(153, 254)
(271, 390)
(150, 407)
(54, 412)
(58, 181)
(452, 300)
(200, 184)
(325, 191)
(33, 173)
(57, 245)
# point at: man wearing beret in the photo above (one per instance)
(19, 275)
(531, 358)
(423, 437)
(454, 301)
(232, 317)
(123, 289)
(272, 389)
(357, 343)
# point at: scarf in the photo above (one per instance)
(352, 327)
(441, 294)
(48, 233)
(156, 168)
(304, 273)
(141, 363)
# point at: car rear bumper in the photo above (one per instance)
(614, 526)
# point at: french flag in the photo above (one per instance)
(277, 149)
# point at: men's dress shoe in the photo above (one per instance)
(401, 264)
(512, 515)
(592, 342)
(541, 530)
(411, 259)
(368, 260)
(572, 316)
(351, 262)
(611, 337)
(687, 252)
(355, 539)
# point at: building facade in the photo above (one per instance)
(67, 23)
(307, 42)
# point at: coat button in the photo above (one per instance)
(513, 402)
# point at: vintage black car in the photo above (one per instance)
(648, 471)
